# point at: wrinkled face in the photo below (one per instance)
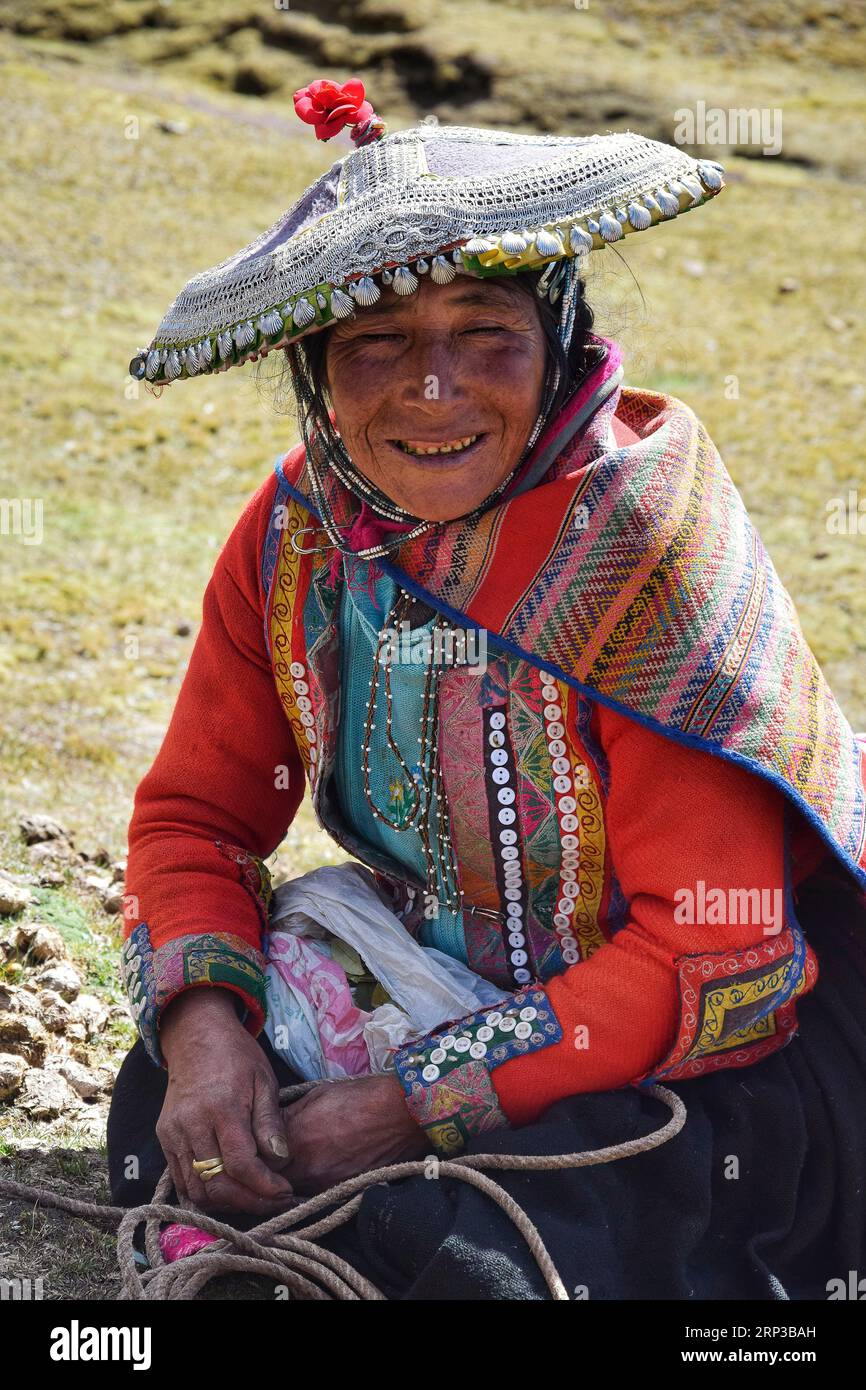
(435, 394)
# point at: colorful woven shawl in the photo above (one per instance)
(635, 574)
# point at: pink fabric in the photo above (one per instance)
(321, 981)
(176, 1240)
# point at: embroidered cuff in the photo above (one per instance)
(152, 978)
(446, 1076)
(738, 1007)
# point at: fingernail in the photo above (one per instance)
(279, 1146)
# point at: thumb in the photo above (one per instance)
(269, 1130)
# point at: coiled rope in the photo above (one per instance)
(285, 1248)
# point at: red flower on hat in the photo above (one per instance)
(331, 105)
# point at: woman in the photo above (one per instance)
(637, 809)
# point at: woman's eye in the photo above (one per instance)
(497, 328)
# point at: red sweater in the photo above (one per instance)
(674, 814)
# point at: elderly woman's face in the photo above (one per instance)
(443, 366)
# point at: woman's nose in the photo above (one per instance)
(431, 372)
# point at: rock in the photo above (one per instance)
(118, 871)
(23, 1035)
(54, 852)
(26, 1002)
(42, 941)
(76, 1032)
(100, 883)
(61, 977)
(88, 1013)
(835, 323)
(35, 829)
(52, 879)
(45, 1095)
(83, 1081)
(172, 127)
(13, 1069)
(789, 286)
(14, 897)
(112, 898)
(54, 1011)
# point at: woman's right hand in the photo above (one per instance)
(222, 1101)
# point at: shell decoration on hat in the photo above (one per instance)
(431, 200)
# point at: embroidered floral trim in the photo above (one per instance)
(737, 1008)
(254, 876)
(446, 1075)
(153, 978)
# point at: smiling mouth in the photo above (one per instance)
(417, 448)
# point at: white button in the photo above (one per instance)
(509, 853)
(569, 822)
(311, 735)
(513, 895)
(508, 1024)
(484, 1034)
(561, 785)
(565, 905)
(528, 1014)
(437, 1055)
(306, 719)
(516, 939)
(546, 678)
(550, 693)
(514, 910)
(501, 775)
(506, 816)
(561, 922)
(297, 669)
(478, 1050)
(508, 837)
(523, 1030)
(568, 876)
(492, 1019)
(555, 730)
(430, 1073)
(570, 890)
(519, 958)
(522, 976)
(314, 753)
(301, 687)
(304, 703)
(570, 842)
(562, 767)
(556, 748)
(498, 757)
(449, 1041)
(567, 804)
(552, 712)
(569, 942)
(462, 1045)
(497, 720)
(505, 795)
(570, 957)
(496, 739)
(571, 859)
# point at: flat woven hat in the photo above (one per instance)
(431, 200)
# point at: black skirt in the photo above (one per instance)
(760, 1196)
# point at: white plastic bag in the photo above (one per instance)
(310, 1022)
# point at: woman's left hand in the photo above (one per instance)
(346, 1127)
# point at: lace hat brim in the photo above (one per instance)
(430, 200)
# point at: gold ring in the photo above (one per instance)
(212, 1172)
(201, 1165)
